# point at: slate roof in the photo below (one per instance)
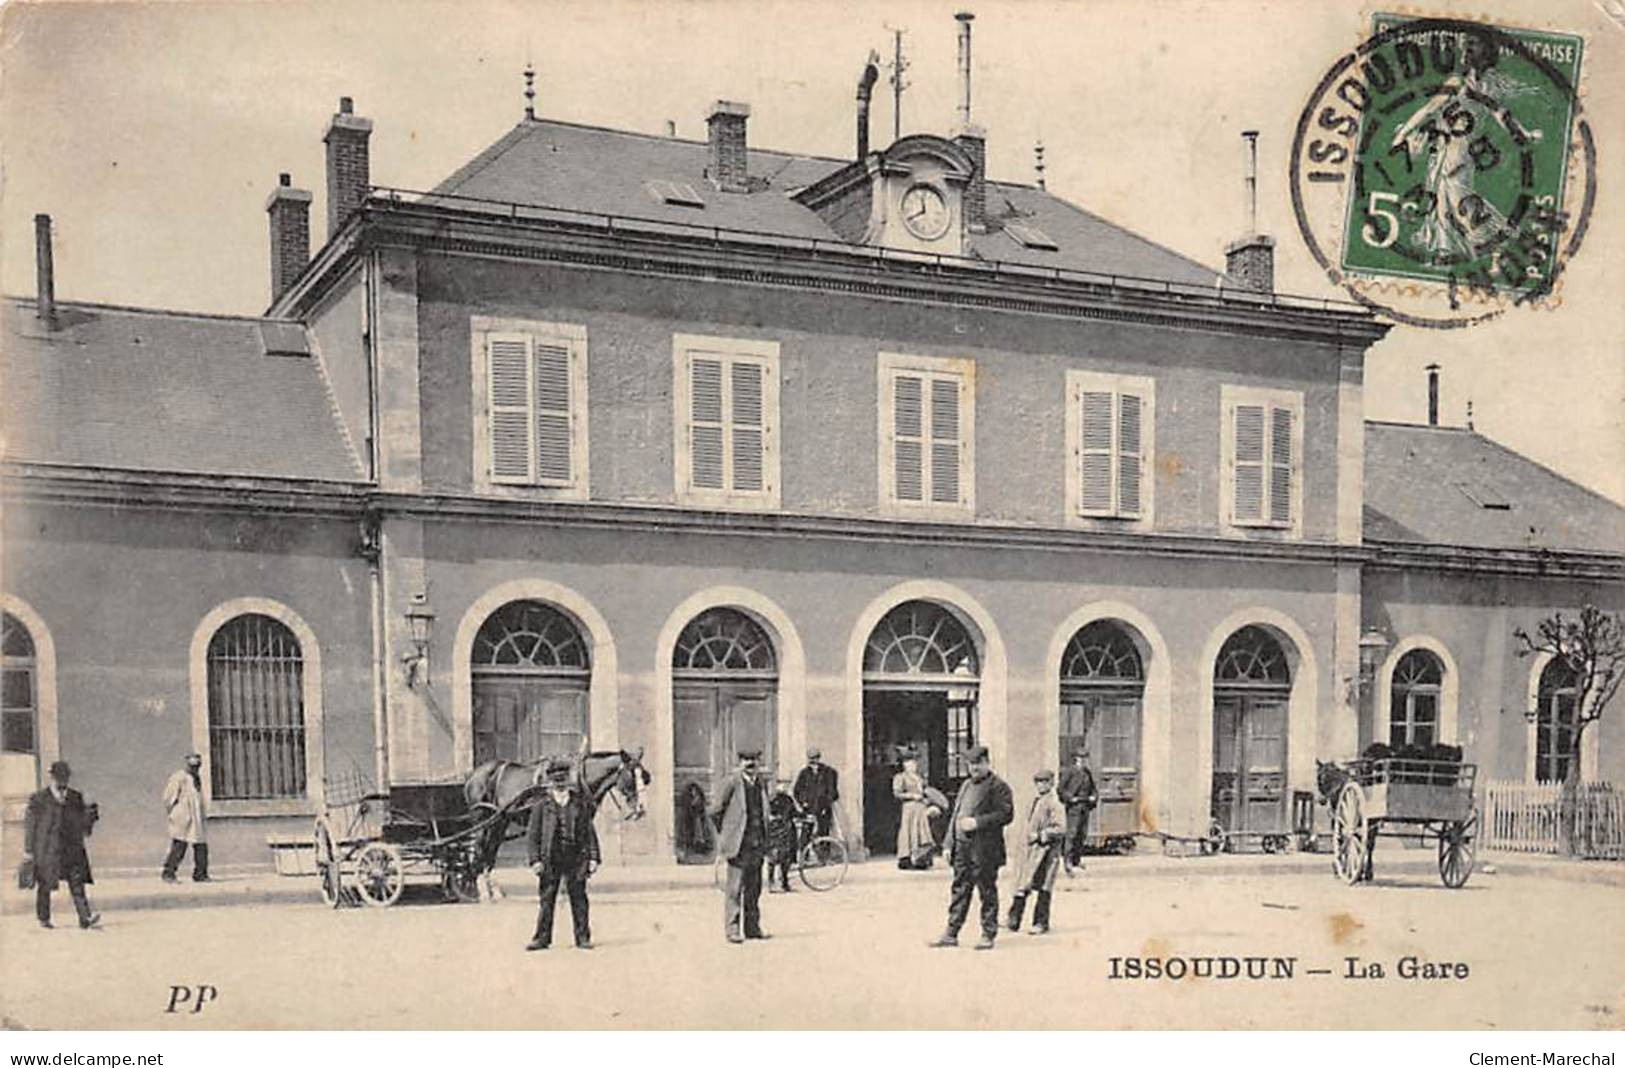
(1449, 486)
(589, 168)
(166, 391)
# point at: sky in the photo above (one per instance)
(152, 133)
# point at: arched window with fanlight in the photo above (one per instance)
(725, 681)
(531, 672)
(256, 694)
(1556, 711)
(1413, 716)
(1102, 699)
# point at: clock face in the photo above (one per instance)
(925, 212)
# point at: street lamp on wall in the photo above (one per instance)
(420, 625)
(1373, 644)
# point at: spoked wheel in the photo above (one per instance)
(1351, 834)
(380, 874)
(327, 865)
(1456, 852)
(823, 863)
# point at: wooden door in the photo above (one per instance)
(1250, 762)
(711, 724)
(526, 719)
(1107, 724)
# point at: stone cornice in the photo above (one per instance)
(787, 262)
(1458, 559)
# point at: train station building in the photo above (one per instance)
(688, 446)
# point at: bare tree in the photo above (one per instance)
(1592, 647)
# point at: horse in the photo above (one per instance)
(501, 787)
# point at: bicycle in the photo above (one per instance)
(821, 862)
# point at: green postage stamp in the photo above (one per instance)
(1449, 155)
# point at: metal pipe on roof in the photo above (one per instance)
(866, 85)
(45, 273)
(1433, 394)
(964, 18)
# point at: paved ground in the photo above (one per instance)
(1541, 953)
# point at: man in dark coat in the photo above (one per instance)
(562, 847)
(816, 789)
(58, 823)
(1077, 792)
(740, 816)
(982, 810)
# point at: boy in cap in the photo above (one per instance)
(563, 847)
(1045, 835)
(58, 823)
(782, 837)
(183, 801)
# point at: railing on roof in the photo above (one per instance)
(390, 197)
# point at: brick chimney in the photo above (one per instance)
(349, 168)
(289, 212)
(1250, 260)
(973, 139)
(726, 126)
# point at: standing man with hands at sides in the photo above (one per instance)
(816, 790)
(183, 801)
(1077, 792)
(740, 817)
(563, 847)
(982, 810)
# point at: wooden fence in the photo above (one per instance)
(1523, 817)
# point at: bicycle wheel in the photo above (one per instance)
(823, 863)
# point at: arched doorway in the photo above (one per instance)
(19, 710)
(1413, 707)
(1252, 687)
(725, 680)
(921, 675)
(531, 670)
(1102, 701)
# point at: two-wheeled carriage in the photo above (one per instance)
(1415, 800)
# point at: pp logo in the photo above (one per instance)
(182, 996)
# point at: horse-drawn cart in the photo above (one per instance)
(1414, 800)
(370, 843)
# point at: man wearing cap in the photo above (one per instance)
(982, 810)
(816, 791)
(563, 848)
(740, 816)
(183, 800)
(58, 823)
(1040, 854)
(1077, 792)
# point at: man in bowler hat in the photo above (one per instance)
(58, 822)
(563, 848)
(740, 816)
(982, 810)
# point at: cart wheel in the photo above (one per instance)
(823, 863)
(380, 874)
(1456, 852)
(327, 865)
(1351, 834)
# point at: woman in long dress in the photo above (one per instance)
(915, 844)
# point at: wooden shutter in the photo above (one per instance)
(1130, 454)
(1280, 493)
(508, 384)
(1249, 463)
(1095, 439)
(945, 442)
(908, 432)
(705, 423)
(554, 438)
(747, 425)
